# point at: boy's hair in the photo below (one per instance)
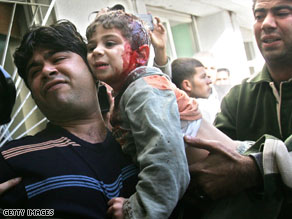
(184, 68)
(131, 27)
(61, 36)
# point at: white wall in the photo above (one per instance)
(78, 11)
(220, 34)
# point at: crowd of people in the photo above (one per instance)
(141, 166)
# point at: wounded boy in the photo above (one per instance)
(149, 115)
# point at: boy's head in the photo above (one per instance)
(62, 36)
(118, 43)
(131, 27)
(190, 75)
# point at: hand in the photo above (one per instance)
(115, 209)
(224, 171)
(158, 39)
(8, 184)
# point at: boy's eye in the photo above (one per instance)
(110, 43)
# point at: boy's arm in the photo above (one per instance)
(158, 40)
(153, 118)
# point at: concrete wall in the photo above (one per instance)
(220, 34)
(79, 11)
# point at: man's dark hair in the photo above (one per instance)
(184, 68)
(253, 4)
(7, 96)
(61, 36)
(224, 69)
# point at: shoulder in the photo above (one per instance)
(44, 137)
(22, 141)
(243, 88)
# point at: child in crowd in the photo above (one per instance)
(148, 117)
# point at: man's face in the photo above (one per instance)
(200, 84)
(273, 28)
(222, 78)
(110, 56)
(60, 82)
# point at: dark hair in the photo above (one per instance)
(253, 4)
(131, 27)
(184, 68)
(224, 69)
(117, 7)
(7, 96)
(58, 37)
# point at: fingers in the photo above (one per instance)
(115, 209)
(200, 143)
(158, 25)
(8, 184)
(157, 20)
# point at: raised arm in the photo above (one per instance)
(159, 41)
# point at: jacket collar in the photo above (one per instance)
(263, 76)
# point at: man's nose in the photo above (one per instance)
(209, 80)
(49, 70)
(269, 22)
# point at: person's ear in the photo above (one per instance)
(143, 55)
(186, 85)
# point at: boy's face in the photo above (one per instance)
(110, 56)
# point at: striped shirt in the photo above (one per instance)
(62, 172)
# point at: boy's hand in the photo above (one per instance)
(115, 209)
(8, 184)
(158, 39)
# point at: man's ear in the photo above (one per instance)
(143, 55)
(186, 85)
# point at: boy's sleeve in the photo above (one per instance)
(166, 69)
(152, 115)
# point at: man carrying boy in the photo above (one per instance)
(74, 165)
